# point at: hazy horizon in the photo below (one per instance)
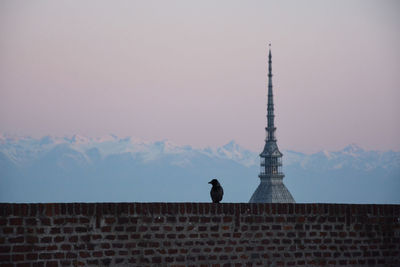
(79, 138)
(195, 72)
(119, 169)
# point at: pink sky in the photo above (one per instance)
(194, 72)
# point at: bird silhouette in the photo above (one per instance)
(216, 191)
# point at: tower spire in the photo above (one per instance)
(270, 107)
(271, 188)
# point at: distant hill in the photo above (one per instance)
(77, 168)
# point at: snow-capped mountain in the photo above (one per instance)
(352, 156)
(22, 150)
(110, 168)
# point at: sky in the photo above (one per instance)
(194, 72)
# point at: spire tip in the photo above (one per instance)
(269, 50)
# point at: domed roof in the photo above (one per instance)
(271, 192)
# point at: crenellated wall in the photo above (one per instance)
(199, 234)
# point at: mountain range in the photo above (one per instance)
(82, 169)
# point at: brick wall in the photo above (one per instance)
(199, 234)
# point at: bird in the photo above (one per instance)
(216, 191)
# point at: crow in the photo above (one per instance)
(216, 191)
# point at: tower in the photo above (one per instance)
(271, 188)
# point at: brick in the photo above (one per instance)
(17, 257)
(45, 256)
(169, 259)
(19, 239)
(47, 239)
(52, 247)
(149, 252)
(280, 219)
(45, 221)
(55, 230)
(58, 239)
(109, 252)
(30, 221)
(125, 220)
(276, 227)
(73, 239)
(32, 256)
(143, 228)
(106, 229)
(171, 236)
(117, 245)
(227, 219)
(66, 247)
(71, 255)
(84, 220)
(59, 255)
(22, 248)
(159, 219)
(58, 221)
(122, 237)
(119, 228)
(80, 229)
(49, 209)
(5, 249)
(237, 235)
(16, 221)
(194, 208)
(52, 264)
(105, 245)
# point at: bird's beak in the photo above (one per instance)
(209, 182)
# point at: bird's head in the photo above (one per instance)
(214, 182)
